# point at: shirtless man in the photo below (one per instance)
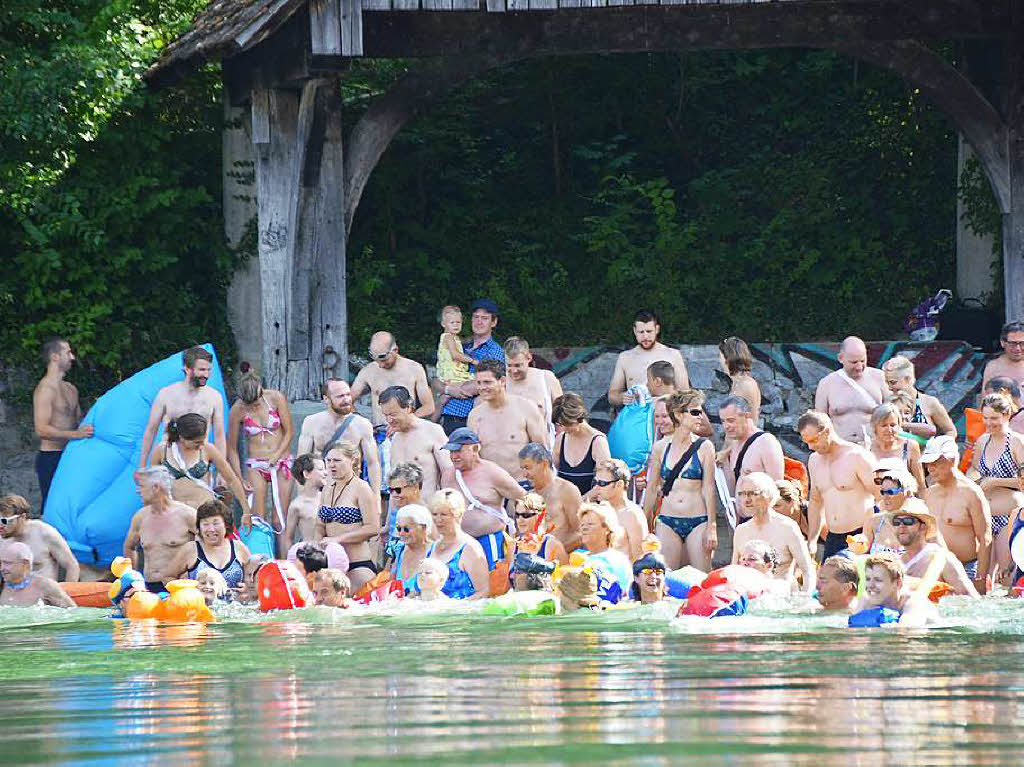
(504, 422)
(760, 450)
(188, 396)
(50, 552)
(56, 412)
(914, 524)
(1011, 362)
(485, 486)
(561, 497)
(24, 588)
(838, 583)
(162, 526)
(414, 440)
(961, 508)
(340, 421)
(843, 490)
(541, 387)
(930, 417)
(756, 494)
(389, 368)
(300, 523)
(611, 481)
(884, 586)
(631, 365)
(849, 395)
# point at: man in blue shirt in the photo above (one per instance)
(482, 346)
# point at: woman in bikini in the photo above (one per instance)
(189, 457)
(686, 523)
(579, 447)
(468, 576)
(213, 549)
(263, 416)
(889, 447)
(998, 456)
(349, 512)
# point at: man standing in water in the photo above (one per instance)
(504, 422)
(843, 490)
(749, 449)
(540, 387)
(850, 395)
(561, 497)
(162, 526)
(481, 347)
(631, 365)
(24, 588)
(914, 525)
(56, 412)
(50, 552)
(188, 396)
(1011, 362)
(838, 582)
(960, 507)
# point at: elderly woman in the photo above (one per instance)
(349, 512)
(467, 564)
(213, 549)
(579, 447)
(189, 457)
(264, 417)
(889, 447)
(601, 533)
(686, 522)
(998, 457)
(405, 483)
(414, 529)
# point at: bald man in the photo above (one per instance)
(849, 395)
(389, 368)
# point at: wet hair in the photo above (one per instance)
(885, 410)
(250, 388)
(495, 367)
(845, 569)
(1003, 385)
(738, 358)
(516, 346)
(1014, 326)
(50, 347)
(740, 403)
(336, 579)
(663, 371)
(188, 426)
(302, 464)
(1001, 403)
(899, 365)
(762, 549)
(608, 517)
(683, 400)
(646, 315)
(447, 498)
(15, 504)
(157, 475)
(617, 468)
(397, 393)
(346, 448)
(888, 562)
(312, 557)
(408, 471)
(216, 508)
(569, 410)
(763, 484)
(537, 453)
(813, 418)
(195, 354)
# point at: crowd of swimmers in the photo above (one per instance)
(490, 477)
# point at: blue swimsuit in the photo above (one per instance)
(683, 526)
(459, 585)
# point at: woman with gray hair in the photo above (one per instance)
(889, 444)
(415, 530)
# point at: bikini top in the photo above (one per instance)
(1004, 467)
(343, 515)
(252, 427)
(197, 470)
(692, 470)
(232, 571)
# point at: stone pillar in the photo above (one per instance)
(975, 257)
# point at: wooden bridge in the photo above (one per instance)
(282, 60)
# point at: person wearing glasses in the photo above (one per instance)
(960, 507)
(534, 536)
(1011, 362)
(914, 525)
(415, 530)
(756, 493)
(894, 486)
(611, 481)
(405, 485)
(50, 552)
(682, 476)
(20, 586)
(561, 497)
(843, 490)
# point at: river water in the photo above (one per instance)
(427, 686)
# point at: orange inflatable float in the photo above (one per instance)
(184, 603)
(87, 593)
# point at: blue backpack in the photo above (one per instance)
(632, 434)
(260, 538)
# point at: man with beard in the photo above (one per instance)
(631, 365)
(56, 412)
(914, 525)
(850, 395)
(1011, 362)
(188, 396)
(340, 421)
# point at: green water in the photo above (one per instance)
(455, 687)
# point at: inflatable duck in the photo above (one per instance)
(183, 604)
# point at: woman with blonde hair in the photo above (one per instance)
(348, 512)
(468, 576)
(889, 446)
(601, 534)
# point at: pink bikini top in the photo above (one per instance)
(252, 427)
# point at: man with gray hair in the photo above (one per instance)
(161, 527)
(21, 586)
(561, 497)
(756, 493)
(849, 395)
(749, 449)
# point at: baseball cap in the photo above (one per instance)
(487, 305)
(461, 437)
(943, 446)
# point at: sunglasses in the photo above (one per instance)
(397, 489)
(695, 411)
(904, 521)
(526, 514)
(381, 356)
(604, 482)
(892, 491)
(5, 521)
(403, 528)
(650, 571)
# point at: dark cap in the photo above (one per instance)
(487, 305)
(652, 560)
(461, 437)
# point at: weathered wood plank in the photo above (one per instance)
(246, 35)
(568, 3)
(496, 6)
(543, 5)
(351, 27)
(260, 116)
(325, 27)
(405, 5)
(437, 5)
(517, 5)
(377, 5)
(465, 5)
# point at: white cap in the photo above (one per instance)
(940, 447)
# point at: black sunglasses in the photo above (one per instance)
(403, 528)
(526, 514)
(397, 489)
(604, 482)
(904, 521)
(381, 356)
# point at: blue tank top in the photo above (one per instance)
(459, 585)
(410, 582)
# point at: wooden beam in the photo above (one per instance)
(351, 27)
(325, 27)
(260, 116)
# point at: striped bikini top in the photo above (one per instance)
(1004, 467)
